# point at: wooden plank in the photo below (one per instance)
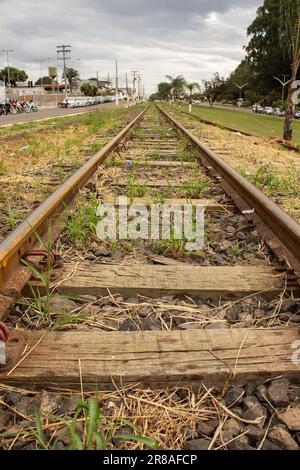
(152, 281)
(166, 164)
(151, 184)
(156, 358)
(209, 204)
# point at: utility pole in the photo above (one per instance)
(7, 51)
(127, 89)
(65, 51)
(283, 84)
(139, 86)
(134, 73)
(117, 85)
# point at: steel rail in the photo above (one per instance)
(13, 274)
(280, 231)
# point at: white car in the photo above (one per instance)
(269, 111)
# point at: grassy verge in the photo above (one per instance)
(271, 168)
(35, 158)
(254, 124)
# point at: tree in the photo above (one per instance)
(16, 75)
(191, 87)
(72, 77)
(88, 89)
(290, 43)
(177, 86)
(46, 81)
(214, 88)
(264, 56)
(164, 91)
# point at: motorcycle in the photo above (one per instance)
(33, 107)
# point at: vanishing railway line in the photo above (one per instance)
(170, 317)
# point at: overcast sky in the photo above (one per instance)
(157, 37)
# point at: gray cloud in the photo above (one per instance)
(192, 37)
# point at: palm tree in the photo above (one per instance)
(72, 77)
(191, 87)
(290, 42)
(177, 85)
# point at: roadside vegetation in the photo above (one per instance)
(255, 124)
(36, 158)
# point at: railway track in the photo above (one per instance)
(148, 311)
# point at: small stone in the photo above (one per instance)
(28, 405)
(268, 445)
(283, 438)
(290, 306)
(237, 411)
(198, 444)
(183, 394)
(232, 314)
(90, 257)
(101, 251)
(50, 402)
(12, 398)
(225, 436)
(230, 229)
(59, 304)
(278, 392)
(187, 433)
(234, 396)
(148, 324)
(234, 427)
(261, 392)
(5, 417)
(291, 419)
(128, 325)
(249, 402)
(255, 433)
(249, 390)
(256, 412)
(207, 428)
(241, 443)
(68, 405)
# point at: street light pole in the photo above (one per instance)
(240, 87)
(283, 83)
(7, 51)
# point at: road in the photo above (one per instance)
(47, 113)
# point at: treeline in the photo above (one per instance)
(268, 72)
(254, 79)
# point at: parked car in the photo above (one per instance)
(257, 109)
(297, 115)
(277, 112)
(268, 110)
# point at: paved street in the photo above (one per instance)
(49, 113)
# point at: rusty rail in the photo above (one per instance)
(279, 230)
(13, 274)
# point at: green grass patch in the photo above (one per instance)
(254, 124)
